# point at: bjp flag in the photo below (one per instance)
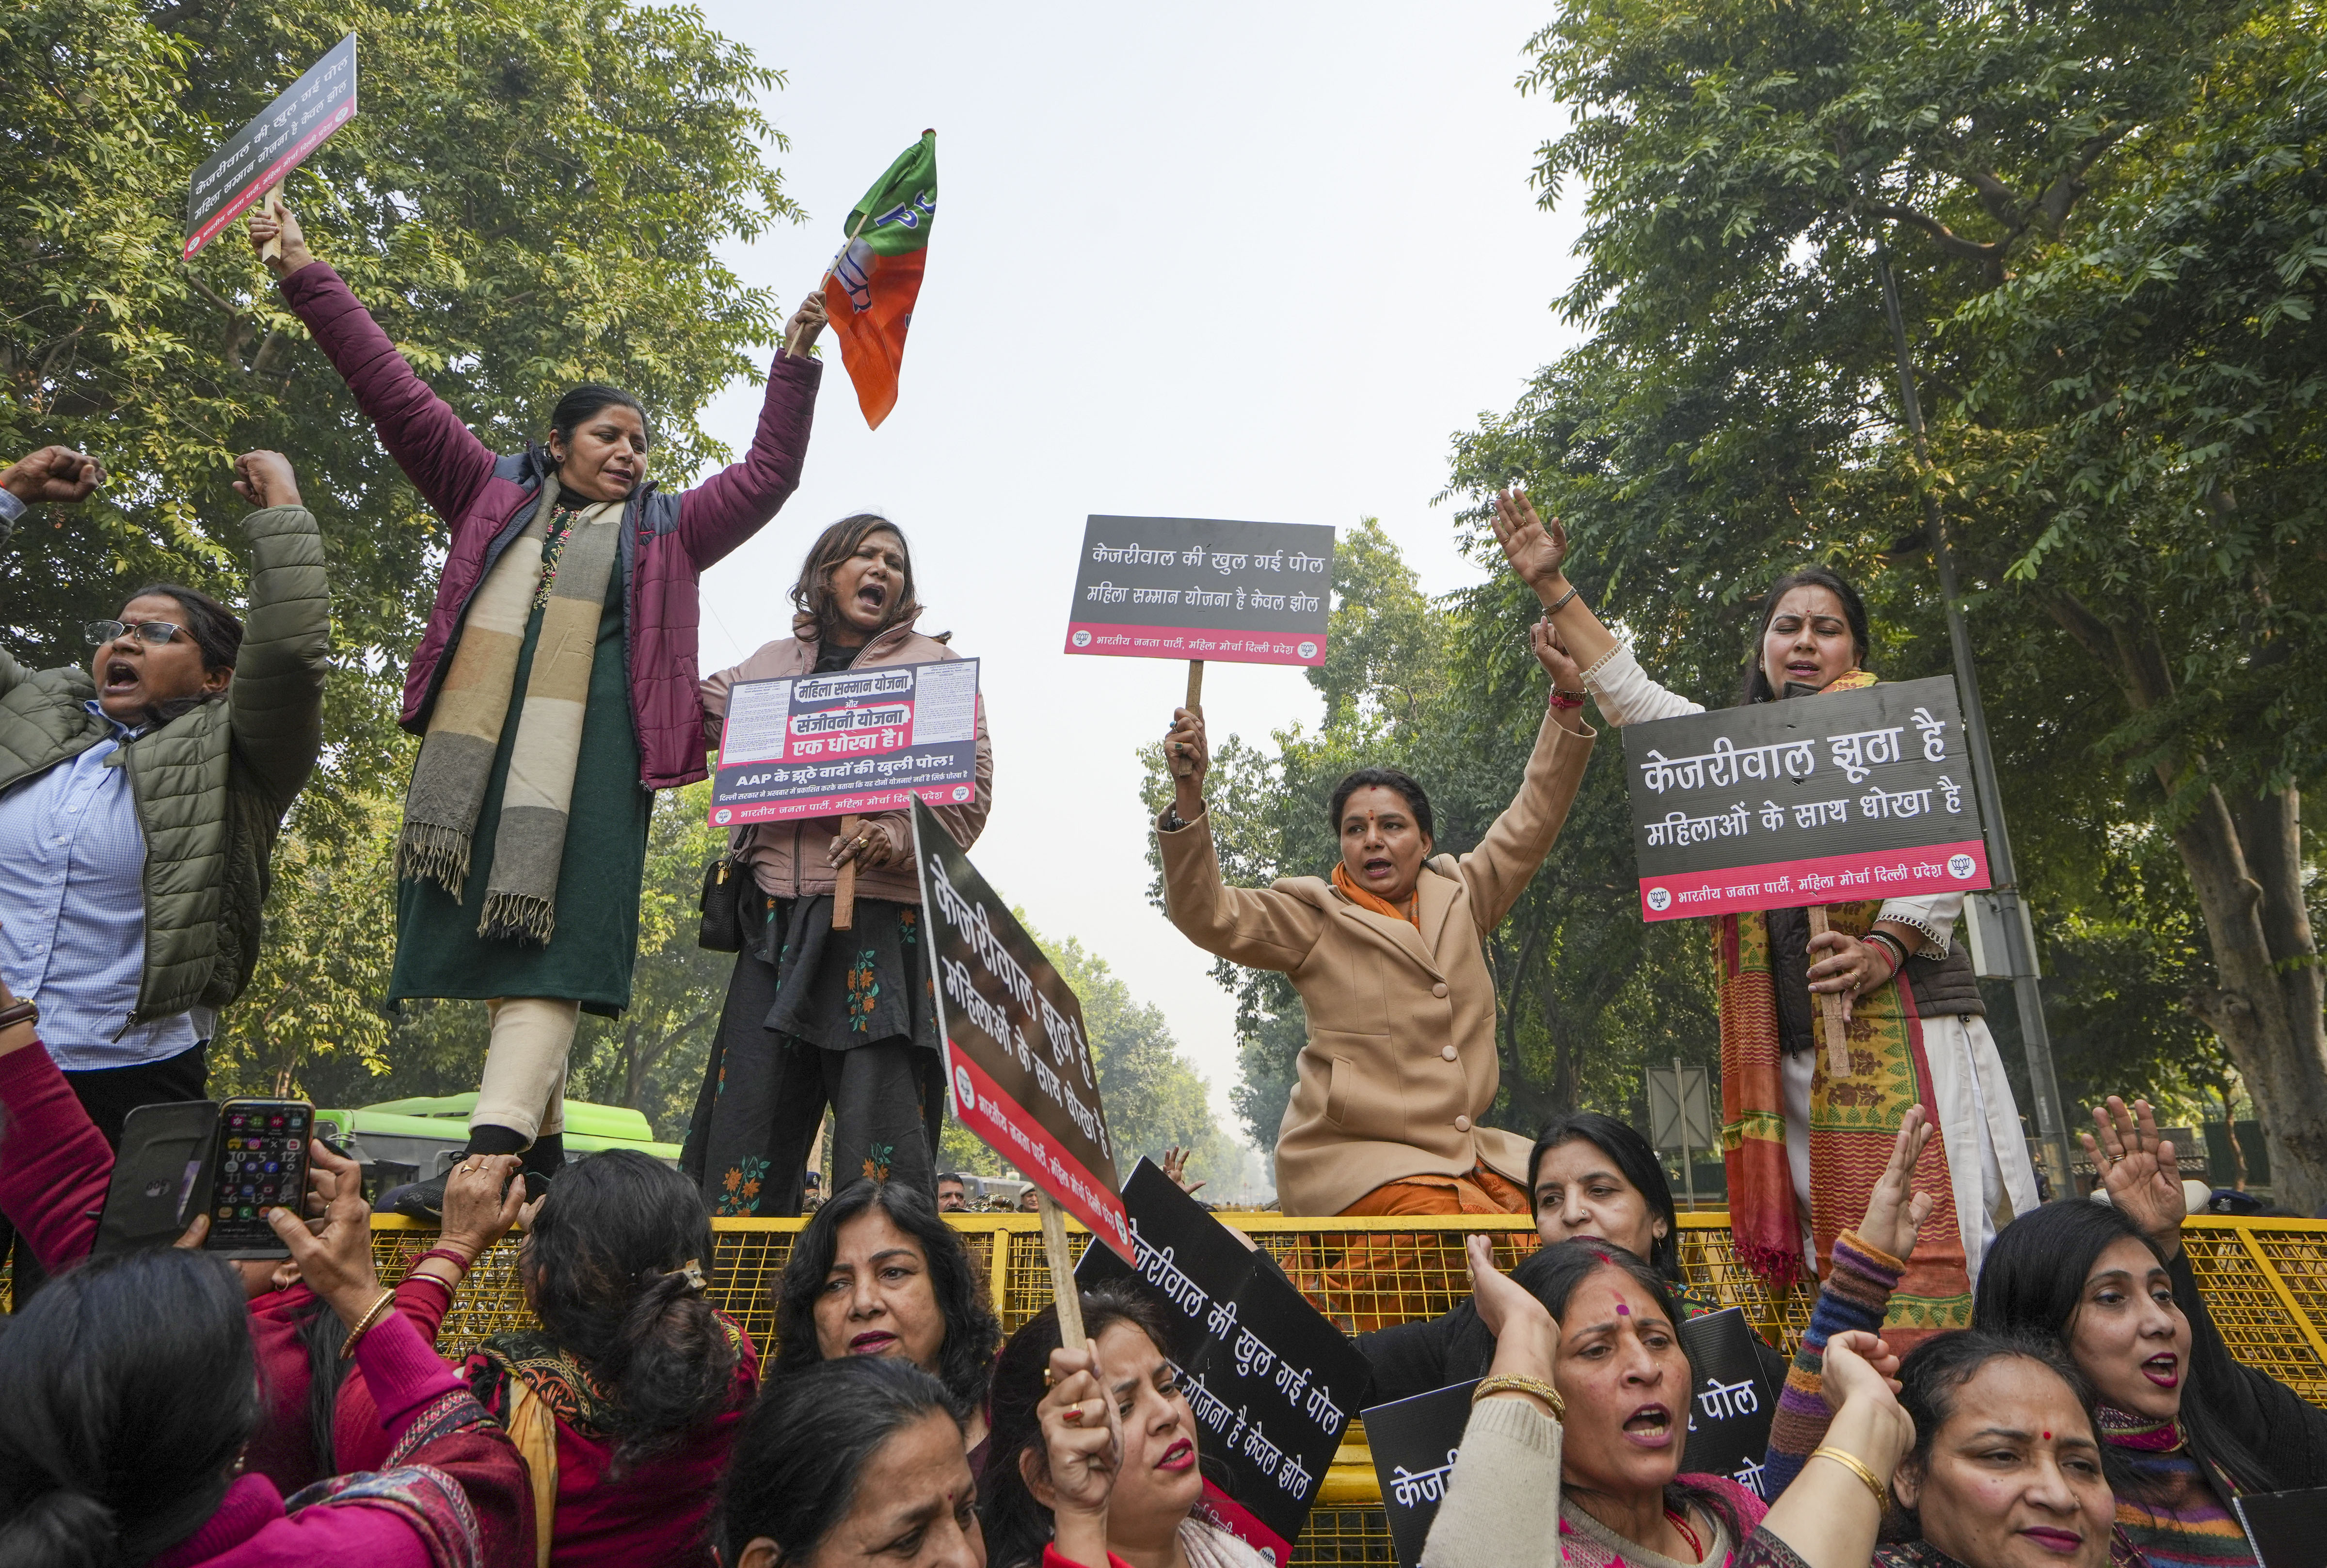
(876, 277)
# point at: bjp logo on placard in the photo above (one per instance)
(1082, 639)
(722, 817)
(1660, 899)
(965, 1092)
(1960, 867)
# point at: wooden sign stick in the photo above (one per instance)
(844, 886)
(272, 249)
(1181, 768)
(1830, 1004)
(1062, 1270)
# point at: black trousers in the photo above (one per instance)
(109, 1094)
(766, 1093)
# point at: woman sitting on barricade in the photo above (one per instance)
(130, 1396)
(1033, 1491)
(1592, 1176)
(1386, 955)
(876, 1273)
(1572, 1449)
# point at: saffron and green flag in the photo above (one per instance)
(870, 291)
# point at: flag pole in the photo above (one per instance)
(844, 884)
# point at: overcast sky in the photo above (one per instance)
(1250, 261)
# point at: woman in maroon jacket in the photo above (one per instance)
(555, 688)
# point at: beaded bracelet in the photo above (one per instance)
(1503, 1381)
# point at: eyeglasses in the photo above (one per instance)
(100, 632)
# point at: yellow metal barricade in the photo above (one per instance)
(2265, 1284)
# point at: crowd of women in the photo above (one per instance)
(1985, 1381)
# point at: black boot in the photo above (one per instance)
(542, 1163)
(425, 1200)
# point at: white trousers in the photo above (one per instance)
(1989, 1168)
(524, 1086)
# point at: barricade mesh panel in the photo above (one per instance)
(2264, 1281)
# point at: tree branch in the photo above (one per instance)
(1954, 244)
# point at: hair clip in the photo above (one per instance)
(693, 1269)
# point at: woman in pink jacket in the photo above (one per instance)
(555, 688)
(817, 1017)
(129, 1393)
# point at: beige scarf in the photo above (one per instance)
(464, 730)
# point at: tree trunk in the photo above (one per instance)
(2244, 859)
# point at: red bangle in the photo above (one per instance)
(448, 1254)
(1560, 699)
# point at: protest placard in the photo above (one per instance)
(1197, 588)
(1270, 1380)
(2288, 1529)
(852, 742)
(1414, 1443)
(1729, 1416)
(1016, 1058)
(256, 157)
(1862, 794)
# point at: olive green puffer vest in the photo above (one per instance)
(212, 786)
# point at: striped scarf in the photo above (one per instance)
(450, 780)
(2182, 1516)
(1854, 1123)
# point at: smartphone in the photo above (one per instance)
(159, 1176)
(261, 1164)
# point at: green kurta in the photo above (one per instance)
(589, 959)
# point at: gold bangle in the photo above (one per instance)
(372, 1314)
(1857, 1466)
(1503, 1381)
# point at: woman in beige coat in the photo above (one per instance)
(1386, 955)
(815, 1017)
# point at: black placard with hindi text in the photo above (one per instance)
(1415, 1443)
(1731, 1407)
(1822, 800)
(1271, 1381)
(2287, 1529)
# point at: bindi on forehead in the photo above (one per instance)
(1623, 1307)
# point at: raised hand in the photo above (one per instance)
(264, 479)
(800, 331)
(1895, 1211)
(1859, 1376)
(1083, 1439)
(1188, 756)
(2139, 1170)
(1175, 1166)
(1550, 651)
(1534, 549)
(269, 221)
(52, 476)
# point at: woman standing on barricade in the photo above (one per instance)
(1917, 1032)
(817, 1016)
(1385, 954)
(555, 688)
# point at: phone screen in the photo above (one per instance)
(262, 1163)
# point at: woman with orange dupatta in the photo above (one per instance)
(1386, 953)
(1804, 1148)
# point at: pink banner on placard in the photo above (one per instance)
(1222, 1512)
(1017, 1135)
(249, 195)
(1832, 879)
(1195, 642)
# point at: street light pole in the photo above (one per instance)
(2019, 952)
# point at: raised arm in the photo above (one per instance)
(1868, 1264)
(1258, 927)
(737, 501)
(439, 454)
(1517, 840)
(1503, 1501)
(1589, 658)
(277, 698)
(52, 476)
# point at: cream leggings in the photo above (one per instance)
(524, 1086)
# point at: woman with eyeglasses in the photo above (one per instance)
(140, 797)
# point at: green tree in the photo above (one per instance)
(528, 198)
(2105, 223)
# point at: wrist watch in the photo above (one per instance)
(1170, 821)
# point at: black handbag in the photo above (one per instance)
(723, 920)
